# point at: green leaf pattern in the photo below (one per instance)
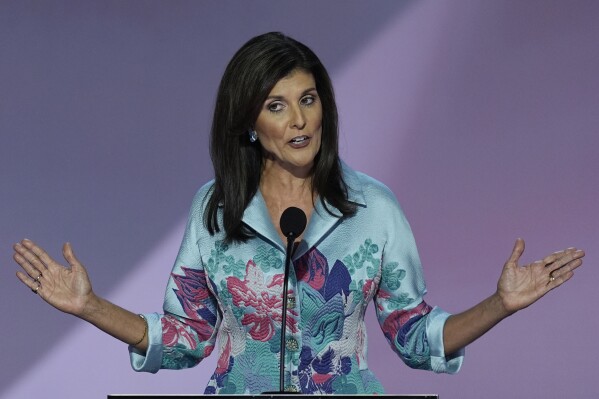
(267, 258)
(365, 254)
(392, 278)
(219, 259)
(392, 275)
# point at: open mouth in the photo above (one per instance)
(299, 139)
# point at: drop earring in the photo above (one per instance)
(253, 135)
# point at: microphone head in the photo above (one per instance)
(293, 222)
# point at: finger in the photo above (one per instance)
(30, 258)
(39, 252)
(517, 251)
(553, 257)
(33, 285)
(567, 258)
(579, 253)
(565, 269)
(69, 255)
(558, 255)
(32, 272)
(556, 281)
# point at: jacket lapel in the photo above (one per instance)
(320, 225)
(256, 216)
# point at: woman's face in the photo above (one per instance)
(289, 125)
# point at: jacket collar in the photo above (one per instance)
(354, 186)
(320, 225)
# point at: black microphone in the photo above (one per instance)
(293, 222)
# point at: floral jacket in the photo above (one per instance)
(233, 292)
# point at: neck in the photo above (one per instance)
(281, 189)
(284, 183)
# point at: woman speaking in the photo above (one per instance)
(274, 145)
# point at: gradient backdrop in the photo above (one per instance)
(481, 116)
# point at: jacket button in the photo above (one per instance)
(291, 388)
(292, 344)
(291, 301)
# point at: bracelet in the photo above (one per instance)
(145, 331)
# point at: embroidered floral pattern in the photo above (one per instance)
(332, 301)
(219, 259)
(190, 338)
(325, 307)
(364, 254)
(392, 275)
(262, 301)
(268, 258)
(175, 332)
(192, 293)
(400, 326)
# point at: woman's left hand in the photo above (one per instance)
(521, 286)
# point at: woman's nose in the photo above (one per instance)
(298, 119)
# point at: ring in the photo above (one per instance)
(36, 289)
(38, 278)
(551, 279)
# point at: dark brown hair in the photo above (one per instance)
(248, 79)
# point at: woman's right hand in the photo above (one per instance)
(68, 289)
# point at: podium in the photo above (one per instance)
(277, 396)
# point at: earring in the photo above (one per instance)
(253, 135)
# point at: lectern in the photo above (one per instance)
(278, 396)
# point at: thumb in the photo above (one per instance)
(69, 255)
(517, 251)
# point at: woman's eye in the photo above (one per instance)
(308, 100)
(275, 107)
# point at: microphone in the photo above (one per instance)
(293, 222)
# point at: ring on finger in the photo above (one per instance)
(38, 278)
(36, 289)
(551, 278)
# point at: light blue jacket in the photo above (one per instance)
(233, 292)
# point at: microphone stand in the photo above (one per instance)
(290, 241)
(293, 222)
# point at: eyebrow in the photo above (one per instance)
(282, 97)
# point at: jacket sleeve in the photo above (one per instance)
(186, 332)
(413, 328)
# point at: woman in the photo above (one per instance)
(274, 145)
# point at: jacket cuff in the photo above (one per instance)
(152, 360)
(434, 330)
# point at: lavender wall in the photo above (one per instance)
(480, 116)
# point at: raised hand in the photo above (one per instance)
(66, 288)
(518, 287)
(521, 286)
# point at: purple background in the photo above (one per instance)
(481, 116)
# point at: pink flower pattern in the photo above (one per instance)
(173, 332)
(312, 269)
(263, 298)
(192, 292)
(399, 318)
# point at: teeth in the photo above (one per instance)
(300, 139)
